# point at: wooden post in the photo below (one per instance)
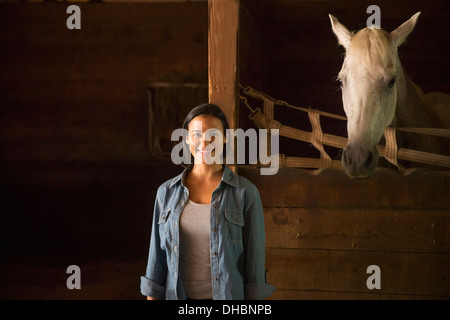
(223, 57)
(223, 67)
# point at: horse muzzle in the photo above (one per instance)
(358, 161)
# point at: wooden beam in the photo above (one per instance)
(290, 187)
(363, 229)
(223, 66)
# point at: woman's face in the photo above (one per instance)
(206, 139)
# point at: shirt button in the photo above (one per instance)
(215, 279)
(175, 248)
(213, 229)
(214, 253)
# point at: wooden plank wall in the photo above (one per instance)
(81, 95)
(252, 61)
(323, 231)
(76, 172)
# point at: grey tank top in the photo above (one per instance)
(195, 258)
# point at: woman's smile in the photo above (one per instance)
(205, 138)
(204, 151)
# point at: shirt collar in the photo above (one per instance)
(228, 177)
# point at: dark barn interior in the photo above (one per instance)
(87, 114)
(78, 177)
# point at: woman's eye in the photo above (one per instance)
(197, 135)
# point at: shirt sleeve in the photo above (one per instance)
(153, 283)
(256, 287)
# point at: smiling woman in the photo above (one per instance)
(205, 220)
(205, 123)
(205, 140)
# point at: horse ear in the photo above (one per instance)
(400, 34)
(344, 36)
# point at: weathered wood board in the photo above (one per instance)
(323, 231)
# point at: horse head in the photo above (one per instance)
(369, 79)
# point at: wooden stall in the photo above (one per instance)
(324, 231)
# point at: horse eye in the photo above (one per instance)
(339, 81)
(391, 83)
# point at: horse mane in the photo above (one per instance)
(371, 46)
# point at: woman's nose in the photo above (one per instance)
(206, 139)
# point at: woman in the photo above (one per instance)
(208, 237)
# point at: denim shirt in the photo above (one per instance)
(237, 241)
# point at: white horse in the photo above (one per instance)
(376, 93)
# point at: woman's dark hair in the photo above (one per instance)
(204, 109)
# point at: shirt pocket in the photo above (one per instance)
(163, 225)
(234, 221)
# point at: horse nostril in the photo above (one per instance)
(345, 157)
(359, 162)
